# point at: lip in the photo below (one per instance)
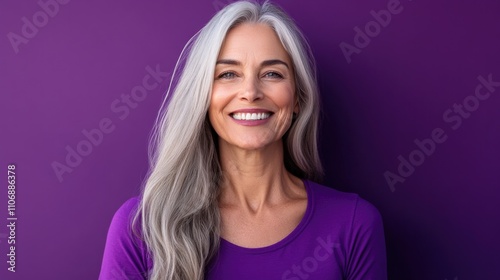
(251, 122)
(252, 110)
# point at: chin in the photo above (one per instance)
(253, 145)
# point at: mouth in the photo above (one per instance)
(250, 116)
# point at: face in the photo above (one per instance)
(253, 94)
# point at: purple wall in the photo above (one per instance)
(98, 69)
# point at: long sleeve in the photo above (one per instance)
(367, 257)
(124, 253)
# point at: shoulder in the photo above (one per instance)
(330, 201)
(123, 228)
(121, 223)
(356, 226)
(126, 210)
(125, 253)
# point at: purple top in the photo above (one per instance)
(340, 237)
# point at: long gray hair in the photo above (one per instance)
(178, 212)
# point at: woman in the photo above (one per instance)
(229, 194)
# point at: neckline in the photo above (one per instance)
(287, 239)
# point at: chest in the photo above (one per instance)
(304, 257)
(267, 228)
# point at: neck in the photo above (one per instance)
(254, 179)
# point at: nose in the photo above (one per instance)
(250, 90)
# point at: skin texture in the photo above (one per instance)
(260, 201)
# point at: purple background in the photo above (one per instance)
(441, 222)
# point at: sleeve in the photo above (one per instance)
(366, 259)
(124, 253)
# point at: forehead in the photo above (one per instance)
(253, 39)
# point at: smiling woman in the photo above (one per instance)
(253, 94)
(230, 192)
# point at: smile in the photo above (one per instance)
(250, 116)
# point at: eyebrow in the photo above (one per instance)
(263, 63)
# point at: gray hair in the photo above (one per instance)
(178, 212)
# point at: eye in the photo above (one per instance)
(273, 75)
(227, 75)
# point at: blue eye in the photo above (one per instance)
(226, 75)
(274, 75)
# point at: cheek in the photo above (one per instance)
(218, 100)
(212, 113)
(285, 97)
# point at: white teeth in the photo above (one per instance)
(251, 116)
